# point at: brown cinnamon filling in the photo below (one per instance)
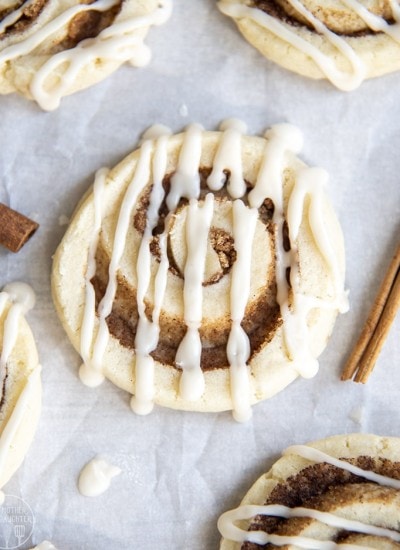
(262, 315)
(87, 24)
(312, 483)
(3, 390)
(273, 8)
(28, 16)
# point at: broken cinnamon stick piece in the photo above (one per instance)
(15, 228)
(365, 353)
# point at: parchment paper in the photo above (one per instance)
(182, 470)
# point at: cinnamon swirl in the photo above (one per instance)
(344, 41)
(20, 387)
(341, 492)
(204, 272)
(52, 48)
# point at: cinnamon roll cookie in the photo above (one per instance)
(20, 386)
(341, 492)
(344, 41)
(52, 48)
(204, 272)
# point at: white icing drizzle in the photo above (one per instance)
(188, 355)
(138, 182)
(12, 17)
(118, 42)
(238, 348)
(394, 6)
(229, 149)
(147, 333)
(185, 183)
(21, 294)
(10, 334)
(17, 415)
(315, 455)
(374, 22)
(29, 44)
(282, 140)
(95, 477)
(228, 529)
(156, 131)
(22, 298)
(346, 81)
(311, 182)
(89, 376)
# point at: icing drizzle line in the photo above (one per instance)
(22, 299)
(148, 331)
(343, 80)
(118, 42)
(185, 183)
(188, 355)
(230, 531)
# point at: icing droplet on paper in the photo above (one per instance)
(183, 110)
(45, 545)
(96, 476)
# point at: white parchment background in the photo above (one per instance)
(182, 470)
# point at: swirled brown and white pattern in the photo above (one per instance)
(342, 492)
(204, 272)
(344, 41)
(51, 48)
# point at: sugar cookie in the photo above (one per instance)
(344, 41)
(204, 272)
(343, 490)
(52, 48)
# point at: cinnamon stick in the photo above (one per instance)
(365, 353)
(379, 336)
(15, 228)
